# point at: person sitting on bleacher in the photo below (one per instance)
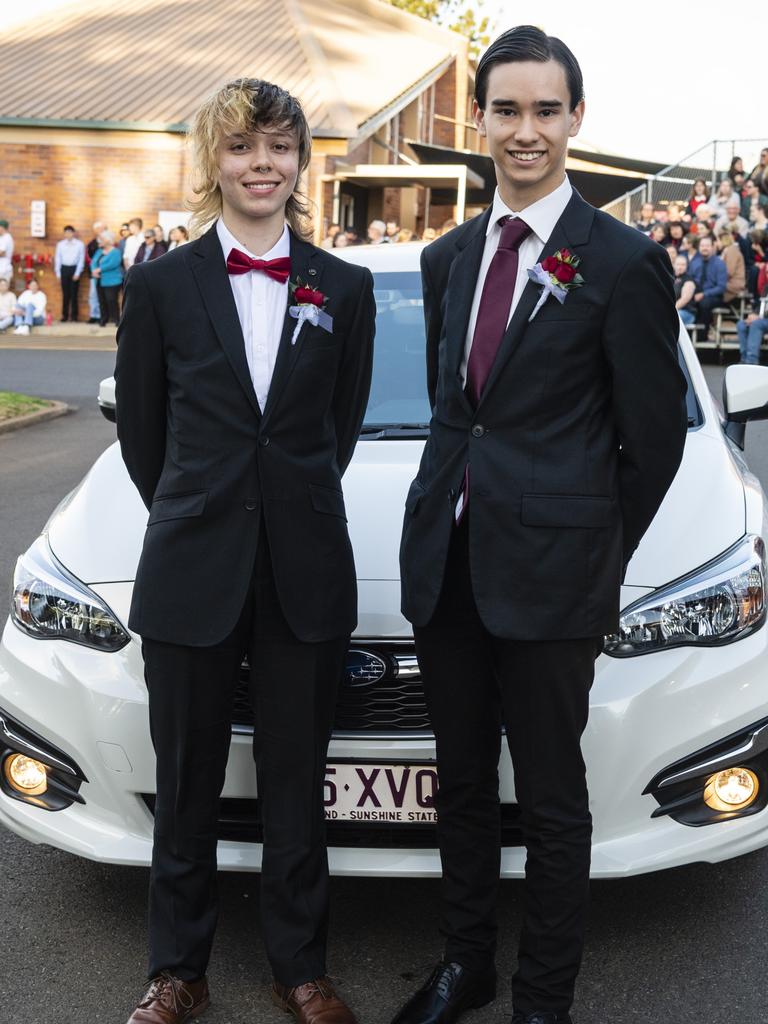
(730, 253)
(751, 331)
(718, 202)
(685, 288)
(711, 276)
(731, 220)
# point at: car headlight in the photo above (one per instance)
(721, 602)
(50, 604)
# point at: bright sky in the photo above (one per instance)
(662, 78)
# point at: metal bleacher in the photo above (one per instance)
(673, 185)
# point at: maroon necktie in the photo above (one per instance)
(240, 263)
(491, 325)
(495, 303)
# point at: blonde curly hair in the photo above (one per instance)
(241, 106)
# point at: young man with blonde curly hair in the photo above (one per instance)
(243, 372)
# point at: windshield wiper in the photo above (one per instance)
(403, 431)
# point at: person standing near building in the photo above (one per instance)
(150, 248)
(68, 264)
(556, 430)
(240, 466)
(94, 299)
(133, 241)
(108, 270)
(6, 251)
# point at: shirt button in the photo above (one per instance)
(478, 430)
(251, 505)
(264, 441)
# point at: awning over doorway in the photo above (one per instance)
(456, 177)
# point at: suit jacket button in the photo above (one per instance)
(478, 430)
(251, 505)
(264, 441)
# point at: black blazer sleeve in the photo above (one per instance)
(648, 387)
(433, 320)
(140, 387)
(350, 397)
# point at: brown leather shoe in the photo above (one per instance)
(314, 1002)
(169, 1000)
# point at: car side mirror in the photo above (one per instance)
(106, 399)
(745, 397)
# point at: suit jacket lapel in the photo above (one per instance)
(304, 266)
(210, 271)
(572, 229)
(461, 290)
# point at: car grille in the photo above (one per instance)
(240, 822)
(381, 691)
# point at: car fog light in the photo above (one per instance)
(26, 775)
(731, 790)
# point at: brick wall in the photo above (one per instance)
(82, 184)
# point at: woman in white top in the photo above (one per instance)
(30, 308)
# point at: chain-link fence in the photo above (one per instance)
(674, 183)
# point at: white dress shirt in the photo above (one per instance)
(261, 303)
(131, 247)
(70, 252)
(541, 218)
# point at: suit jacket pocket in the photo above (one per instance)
(568, 510)
(177, 506)
(327, 500)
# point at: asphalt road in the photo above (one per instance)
(686, 946)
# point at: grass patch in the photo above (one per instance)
(12, 404)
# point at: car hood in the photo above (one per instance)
(97, 530)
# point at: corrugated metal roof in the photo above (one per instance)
(152, 62)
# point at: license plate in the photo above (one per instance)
(398, 793)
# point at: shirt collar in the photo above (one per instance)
(282, 246)
(540, 216)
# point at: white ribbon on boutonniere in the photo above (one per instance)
(557, 275)
(308, 305)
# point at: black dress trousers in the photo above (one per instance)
(294, 689)
(69, 290)
(475, 683)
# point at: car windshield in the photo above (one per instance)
(399, 387)
(398, 405)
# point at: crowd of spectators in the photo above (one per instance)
(105, 260)
(718, 245)
(380, 232)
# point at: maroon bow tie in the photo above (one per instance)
(240, 263)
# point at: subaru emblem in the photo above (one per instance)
(363, 669)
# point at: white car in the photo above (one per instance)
(677, 743)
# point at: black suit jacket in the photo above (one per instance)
(214, 469)
(576, 438)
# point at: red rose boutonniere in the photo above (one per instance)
(557, 275)
(308, 304)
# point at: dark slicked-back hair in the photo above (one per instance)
(526, 42)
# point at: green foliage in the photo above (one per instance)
(456, 15)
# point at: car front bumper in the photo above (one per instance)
(646, 713)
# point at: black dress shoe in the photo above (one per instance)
(449, 991)
(541, 1017)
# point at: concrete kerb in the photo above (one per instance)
(50, 412)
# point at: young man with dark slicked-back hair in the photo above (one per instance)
(558, 424)
(243, 370)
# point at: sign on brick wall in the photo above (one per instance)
(37, 218)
